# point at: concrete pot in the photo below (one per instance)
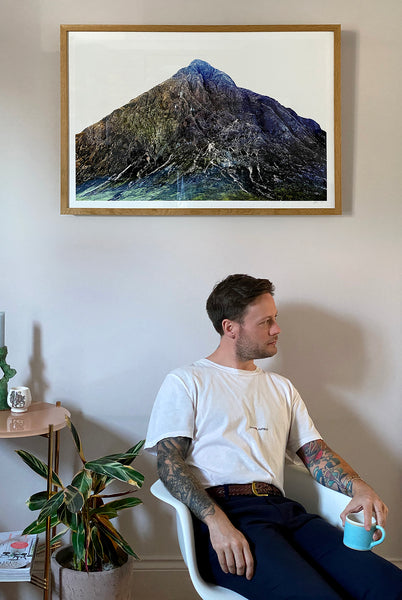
(116, 584)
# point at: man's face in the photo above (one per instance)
(258, 332)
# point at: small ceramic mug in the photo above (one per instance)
(19, 399)
(355, 536)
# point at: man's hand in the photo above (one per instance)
(329, 469)
(228, 542)
(364, 498)
(230, 545)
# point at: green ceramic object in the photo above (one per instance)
(8, 373)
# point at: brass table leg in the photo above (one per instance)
(47, 589)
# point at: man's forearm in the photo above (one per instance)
(178, 478)
(327, 467)
(229, 543)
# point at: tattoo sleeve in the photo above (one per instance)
(178, 478)
(327, 467)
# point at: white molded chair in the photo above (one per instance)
(299, 485)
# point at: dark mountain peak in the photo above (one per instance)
(198, 135)
(202, 70)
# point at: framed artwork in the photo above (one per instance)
(172, 120)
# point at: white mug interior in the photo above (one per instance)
(358, 519)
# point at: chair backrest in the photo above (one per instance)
(299, 485)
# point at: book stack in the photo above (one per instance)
(16, 555)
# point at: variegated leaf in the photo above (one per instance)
(40, 526)
(52, 505)
(127, 457)
(111, 508)
(116, 471)
(76, 438)
(83, 482)
(68, 518)
(37, 501)
(107, 528)
(38, 466)
(78, 541)
(73, 499)
(57, 537)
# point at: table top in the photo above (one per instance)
(35, 421)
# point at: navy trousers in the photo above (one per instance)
(298, 556)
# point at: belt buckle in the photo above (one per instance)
(254, 490)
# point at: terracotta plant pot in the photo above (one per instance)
(67, 584)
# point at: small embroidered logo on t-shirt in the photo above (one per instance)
(259, 428)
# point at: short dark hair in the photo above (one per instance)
(230, 298)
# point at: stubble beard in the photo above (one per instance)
(246, 351)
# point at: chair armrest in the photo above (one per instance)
(185, 535)
(316, 498)
(183, 519)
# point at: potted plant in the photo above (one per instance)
(84, 509)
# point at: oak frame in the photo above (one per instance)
(66, 182)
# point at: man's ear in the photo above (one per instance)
(230, 328)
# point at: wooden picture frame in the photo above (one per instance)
(173, 120)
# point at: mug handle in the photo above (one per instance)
(382, 538)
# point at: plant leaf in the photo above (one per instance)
(116, 471)
(112, 551)
(78, 541)
(68, 518)
(40, 526)
(76, 438)
(127, 457)
(97, 542)
(57, 537)
(37, 501)
(52, 505)
(73, 499)
(83, 482)
(107, 528)
(38, 466)
(99, 482)
(108, 511)
(117, 505)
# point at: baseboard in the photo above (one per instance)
(168, 579)
(161, 563)
(396, 561)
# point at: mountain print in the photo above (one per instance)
(197, 137)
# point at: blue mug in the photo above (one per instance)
(355, 536)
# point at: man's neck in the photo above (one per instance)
(228, 359)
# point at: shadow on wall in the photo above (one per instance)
(320, 351)
(325, 356)
(144, 526)
(37, 382)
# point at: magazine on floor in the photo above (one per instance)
(16, 555)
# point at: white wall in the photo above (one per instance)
(98, 309)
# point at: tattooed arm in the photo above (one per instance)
(228, 542)
(329, 469)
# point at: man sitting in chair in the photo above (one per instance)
(221, 428)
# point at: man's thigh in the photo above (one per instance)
(280, 572)
(361, 574)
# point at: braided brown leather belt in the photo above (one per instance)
(257, 488)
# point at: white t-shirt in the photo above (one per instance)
(241, 423)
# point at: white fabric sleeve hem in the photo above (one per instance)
(304, 440)
(150, 445)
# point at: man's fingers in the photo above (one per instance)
(381, 513)
(368, 515)
(249, 563)
(237, 562)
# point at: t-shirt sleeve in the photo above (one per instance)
(302, 429)
(172, 414)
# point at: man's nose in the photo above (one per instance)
(275, 329)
